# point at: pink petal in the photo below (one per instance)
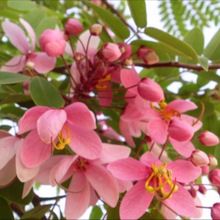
(103, 183)
(85, 142)
(14, 65)
(180, 130)
(7, 173)
(29, 120)
(128, 169)
(197, 124)
(24, 174)
(129, 77)
(16, 36)
(135, 202)
(184, 171)
(50, 124)
(78, 197)
(27, 188)
(148, 159)
(4, 134)
(30, 32)
(42, 62)
(182, 203)
(184, 148)
(113, 152)
(79, 115)
(168, 213)
(33, 151)
(7, 150)
(181, 105)
(158, 130)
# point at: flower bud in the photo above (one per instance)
(53, 42)
(111, 52)
(215, 211)
(202, 189)
(73, 27)
(148, 55)
(193, 192)
(214, 177)
(150, 90)
(213, 162)
(199, 158)
(96, 29)
(208, 138)
(125, 50)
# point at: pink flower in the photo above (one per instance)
(208, 138)
(111, 52)
(154, 179)
(89, 179)
(73, 27)
(167, 120)
(55, 129)
(147, 55)
(39, 61)
(53, 42)
(214, 177)
(200, 158)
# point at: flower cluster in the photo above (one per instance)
(76, 145)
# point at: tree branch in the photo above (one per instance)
(177, 65)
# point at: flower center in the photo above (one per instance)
(160, 182)
(63, 139)
(102, 84)
(166, 113)
(82, 163)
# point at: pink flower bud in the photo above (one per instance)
(148, 55)
(199, 158)
(215, 211)
(180, 130)
(111, 52)
(202, 189)
(214, 177)
(150, 90)
(193, 192)
(208, 138)
(96, 29)
(213, 162)
(125, 50)
(73, 27)
(53, 42)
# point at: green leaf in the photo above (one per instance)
(11, 78)
(195, 39)
(24, 5)
(204, 62)
(96, 213)
(44, 93)
(5, 210)
(180, 47)
(138, 12)
(212, 51)
(36, 213)
(116, 25)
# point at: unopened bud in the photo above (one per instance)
(96, 29)
(199, 158)
(73, 27)
(215, 211)
(214, 177)
(148, 55)
(208, 138)
(202, 189)
(111, 52)
(193, 192)
(125, 51)
(213, 162)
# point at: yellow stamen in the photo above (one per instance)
(160, 182)
(103, 83)
(62, 141)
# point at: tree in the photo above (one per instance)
(85, 106)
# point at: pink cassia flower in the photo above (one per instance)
(57, 128)
(89, 179)
(39, 61)
(154, 179)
